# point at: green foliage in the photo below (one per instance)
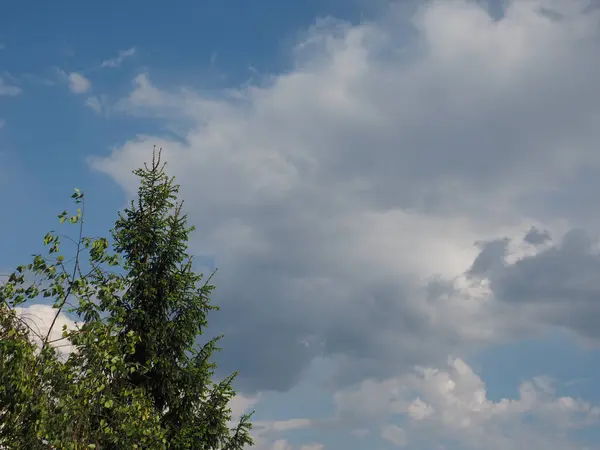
(134, 377)
(17, 381)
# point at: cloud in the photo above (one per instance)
(78, 83)
(438, 407)
(281, 425)
(341, 198)
(2, 123)
(122, 55)
(282, 444)
(315, 446)
(8, 90)
(267, 433)
(2, 46)
(93, 102)
(536, 237)
(39, 317)
(394, 434)
(557, 285)
(99, 104)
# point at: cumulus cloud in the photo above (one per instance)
(341, 199)
(118, 60)
(447, 407)
(78, 83)
(39, 318)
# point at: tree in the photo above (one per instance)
(136, 378)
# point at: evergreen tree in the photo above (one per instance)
(166, 306)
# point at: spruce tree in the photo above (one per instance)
(166, 306)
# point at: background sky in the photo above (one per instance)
(401, 198)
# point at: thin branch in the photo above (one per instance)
(77, 254)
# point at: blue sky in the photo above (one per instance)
(366, 176)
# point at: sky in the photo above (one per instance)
(400, 197)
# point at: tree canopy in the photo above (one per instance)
(136, 377)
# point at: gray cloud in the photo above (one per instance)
(537, 237)
(341, 199)
(492, 256)
(559, 285)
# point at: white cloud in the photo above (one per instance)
(39, 317)
(78, 83)
(99, 104)
(117, 61)
(146, 96)
(281, 425)
(267, 435)
(241, 405)
(8, 89)
(458, 410)
(341, 199)
(93, 102)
